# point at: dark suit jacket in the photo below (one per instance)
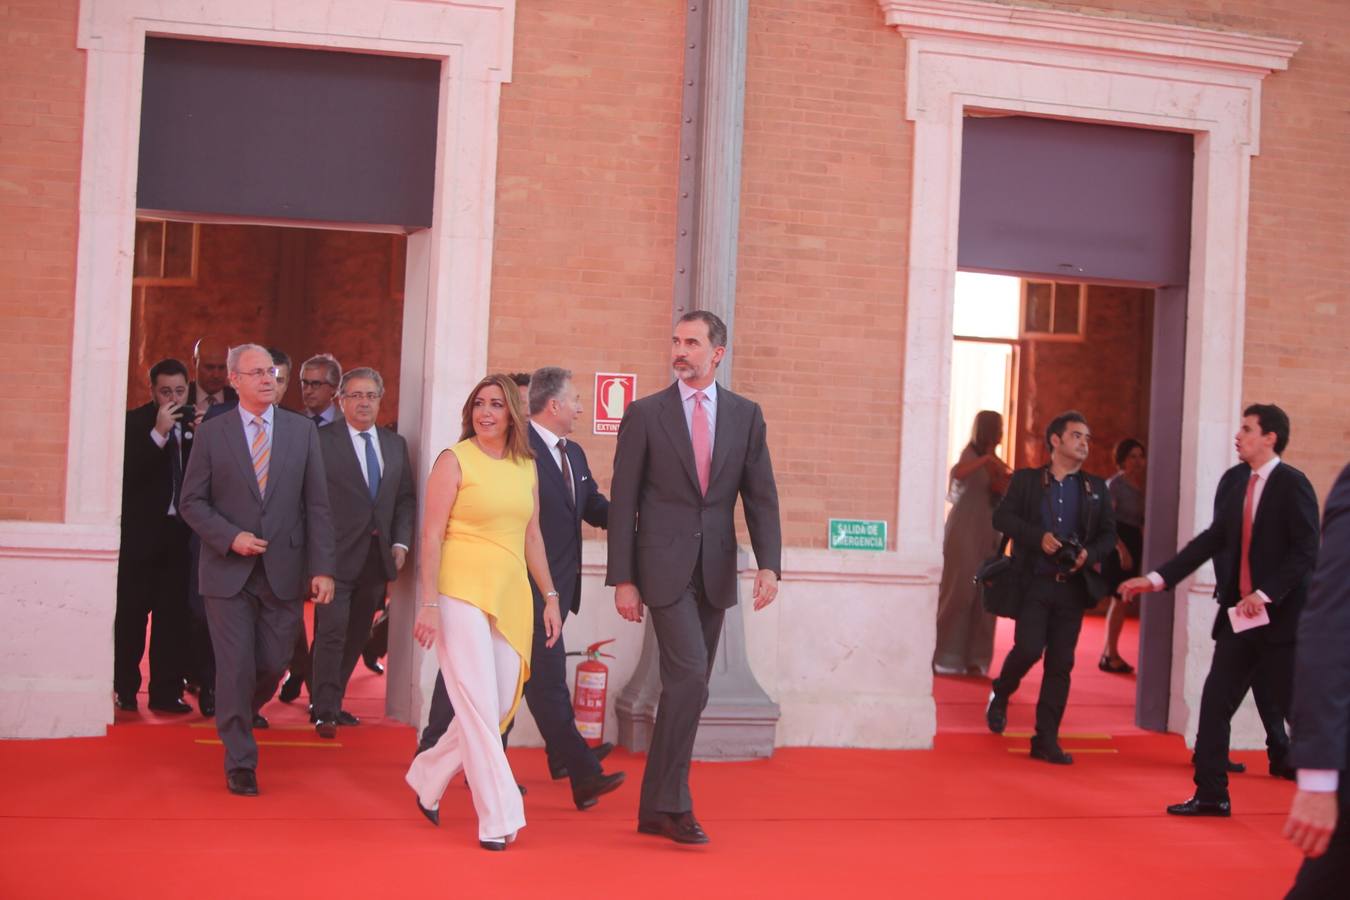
(560, 521)
(357, 519)
(147, 485)
(220, 498)
(1018, 515)
(231, 397)
(1284, 546)
(1321, 711)
(659, 522)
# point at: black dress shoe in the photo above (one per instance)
(996, 713)
(433, 815)
(242, 782)
(260, 721)
(1282, 769)
(206, 702)
(1051, 753)
(346, 718)
(127, 704)
(496, 846)
(373, 663)
(587, 793)
(326, 728)
(557, 773)
(682, 828)
(174, 707)
(290, 688)
(1193, 807)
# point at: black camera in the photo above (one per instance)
(1066, 557)
(185, 414)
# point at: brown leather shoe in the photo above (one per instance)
(682, 828)
(242, 782)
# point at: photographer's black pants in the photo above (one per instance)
(1048, 623)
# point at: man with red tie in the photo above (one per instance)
(1263, 542)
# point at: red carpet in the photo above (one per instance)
(144, 813)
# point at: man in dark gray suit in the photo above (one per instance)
(370, 489)
(1319, 822)
(254, 493)
(683, 456)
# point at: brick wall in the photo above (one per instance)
(583, 261)
(302, 290)
(820, 306)
(41, 121)
(1105, 377)
(1297, 348)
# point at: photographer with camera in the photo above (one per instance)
(1062, 525)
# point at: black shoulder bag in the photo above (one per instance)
(996, 580)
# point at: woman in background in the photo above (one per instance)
(965, 632)
(1127, 497)
(480, 535)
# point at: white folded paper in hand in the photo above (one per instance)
(1242, 623)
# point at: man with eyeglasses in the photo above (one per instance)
(255, 493)
(370, 490)
(319, 379)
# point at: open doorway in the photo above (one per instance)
(1026, 349)
(301, 292)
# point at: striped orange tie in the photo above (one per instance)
(262, 453)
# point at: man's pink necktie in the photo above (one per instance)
(702, 442)
(1245, 564)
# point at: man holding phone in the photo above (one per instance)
(152, 572)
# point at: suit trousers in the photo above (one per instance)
(1048, 622)
(202, 658)
(1272, 719)
(481, 672)
(154, 590)
(687, 632)
(1238, 659)
(1326, 876)
(340, 632)
(252, 634)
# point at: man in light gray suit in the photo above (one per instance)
(370, 488)
(254, 493)
(683, 456)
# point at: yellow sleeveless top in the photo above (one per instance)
(483, 552)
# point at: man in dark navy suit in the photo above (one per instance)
(567, 497)
(1319, 823)
(1263, 542)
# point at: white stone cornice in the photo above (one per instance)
(1116, 35)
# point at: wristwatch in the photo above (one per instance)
(553, 594)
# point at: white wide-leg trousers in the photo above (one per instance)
(481, 673)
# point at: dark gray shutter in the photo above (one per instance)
(278, 132)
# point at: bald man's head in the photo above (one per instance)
(208, 359)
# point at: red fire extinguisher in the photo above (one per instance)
(588, 693)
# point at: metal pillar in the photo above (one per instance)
(740, 719)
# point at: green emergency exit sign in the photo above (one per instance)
(857, 534)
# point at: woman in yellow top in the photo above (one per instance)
(480, 533)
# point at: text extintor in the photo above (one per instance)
(613, 392)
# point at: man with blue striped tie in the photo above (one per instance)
(255, 493)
